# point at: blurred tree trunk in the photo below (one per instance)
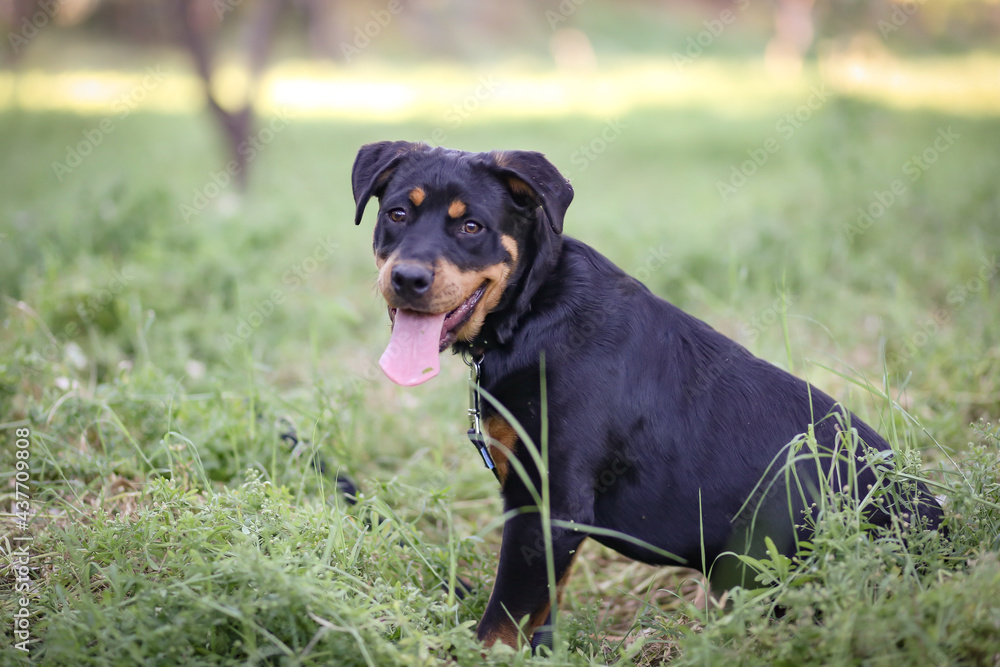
(21, 12)
(198, 19)
(793, 33)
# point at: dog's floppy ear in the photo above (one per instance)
(533, 179)
(372, 168)
(545, 194)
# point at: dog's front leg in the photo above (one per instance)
(522, 586)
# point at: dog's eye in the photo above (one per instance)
(472, 227)
(397, 215)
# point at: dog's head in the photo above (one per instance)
(459, 236)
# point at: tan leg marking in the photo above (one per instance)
(506, 633)
(509, 633)
(498, 429)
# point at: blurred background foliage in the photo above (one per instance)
(170, 166)
(179, 272)
(467, 29)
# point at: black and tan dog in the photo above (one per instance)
(663, 433)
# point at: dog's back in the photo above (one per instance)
(705, 442)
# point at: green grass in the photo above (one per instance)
(172, 525)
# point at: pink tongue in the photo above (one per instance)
(412, 355)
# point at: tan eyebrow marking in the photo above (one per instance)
(417, 196)
(457, 208)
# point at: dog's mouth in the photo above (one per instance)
(418, 338)
(453, 320)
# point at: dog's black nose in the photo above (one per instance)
(411, 280)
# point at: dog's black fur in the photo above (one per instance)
(659, 427)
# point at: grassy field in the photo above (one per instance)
(151, 353)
